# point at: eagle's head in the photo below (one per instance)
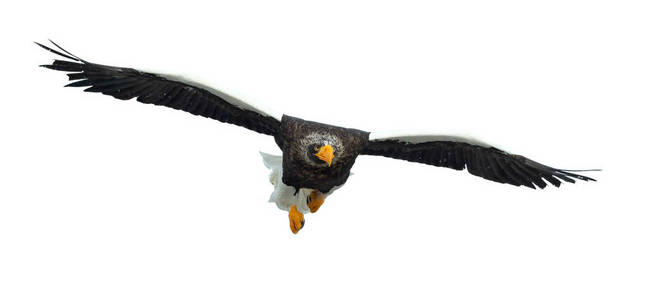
(318, 156)
(320, 150)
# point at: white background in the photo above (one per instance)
(104, 199)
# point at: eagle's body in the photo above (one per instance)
(285, 196)
(316, 158)
(302, 170)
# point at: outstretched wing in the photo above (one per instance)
(480, 159)
(127, 83)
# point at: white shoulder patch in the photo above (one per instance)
(423, 137)
(284, 196)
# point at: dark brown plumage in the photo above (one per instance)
(301, 174)
(127, 83)
(296, 137)
(489, 163)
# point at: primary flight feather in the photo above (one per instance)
(316, 158)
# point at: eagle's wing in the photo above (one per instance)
(480, 159)
(127, 83)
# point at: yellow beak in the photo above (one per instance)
(326, 154)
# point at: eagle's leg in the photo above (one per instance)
(315, 200)
(296, 219)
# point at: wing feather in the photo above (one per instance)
(127, 83)
(479, 158)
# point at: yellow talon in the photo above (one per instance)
(315, 201)
(296, 219)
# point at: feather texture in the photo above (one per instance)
(127, 83)
(480, 160)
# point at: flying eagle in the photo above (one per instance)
(316, 158)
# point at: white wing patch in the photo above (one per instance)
(423, 137)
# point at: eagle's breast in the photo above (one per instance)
(300, 171)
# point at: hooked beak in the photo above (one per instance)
(326, 154)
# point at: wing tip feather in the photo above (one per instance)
(67, 55)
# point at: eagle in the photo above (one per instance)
(316, 158)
